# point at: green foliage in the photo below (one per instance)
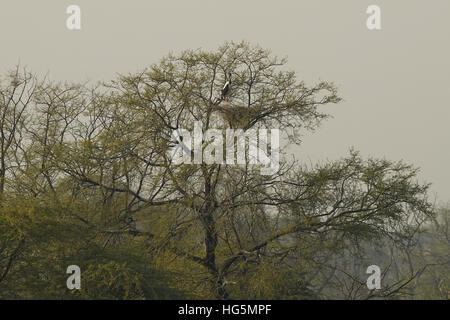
(39, 243)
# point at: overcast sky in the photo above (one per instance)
(395, 81)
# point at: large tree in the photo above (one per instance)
(219, 216)
(221, 229)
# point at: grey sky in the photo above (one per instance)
(395, 81)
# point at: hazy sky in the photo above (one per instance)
(395, 81)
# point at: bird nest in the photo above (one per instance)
(237, 116)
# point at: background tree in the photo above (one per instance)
(17, 90)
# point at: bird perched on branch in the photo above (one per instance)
(227, 88)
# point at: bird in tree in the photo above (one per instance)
(227, 88)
